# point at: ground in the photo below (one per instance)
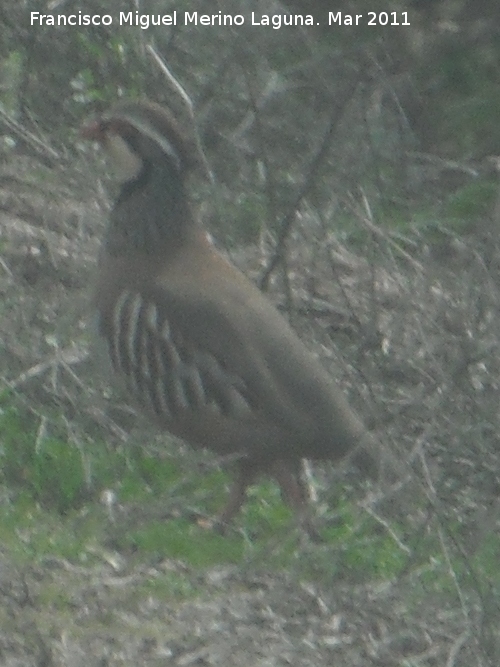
(115, 602)
(61, 614)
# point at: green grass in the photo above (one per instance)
(50, 506)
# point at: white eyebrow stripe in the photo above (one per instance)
(162, 141)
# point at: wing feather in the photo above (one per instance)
(165, 370)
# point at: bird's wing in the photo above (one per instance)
(185, 361)
(227, 371)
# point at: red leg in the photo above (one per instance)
(245, 475)
(295, 494)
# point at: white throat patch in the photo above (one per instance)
(126, 164)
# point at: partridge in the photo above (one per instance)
(199, 347)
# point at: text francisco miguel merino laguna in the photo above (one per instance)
(275, 21)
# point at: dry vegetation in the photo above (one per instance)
(355, 179)
(409, 324)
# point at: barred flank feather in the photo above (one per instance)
(163, 372)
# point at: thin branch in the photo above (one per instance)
(387, 527)
(332, 264)
(374, 311)
(453, 574)
(456, 647)
(66, 357)
(367, 221)
(288, 219)
(41, 147)
(188, 104)
(270, 181)
(179, 89)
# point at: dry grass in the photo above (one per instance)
(409, 325)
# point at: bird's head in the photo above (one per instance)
(138, 134)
